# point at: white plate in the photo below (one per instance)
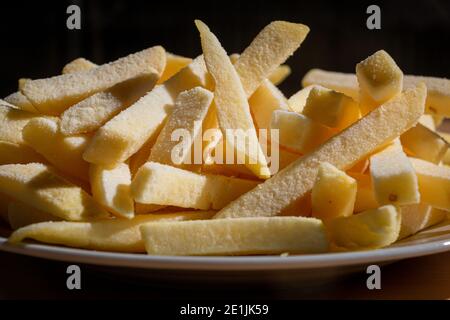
(433, 240)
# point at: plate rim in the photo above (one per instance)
(225, 263)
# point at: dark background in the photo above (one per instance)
(35, 42)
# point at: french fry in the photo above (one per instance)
(333, 194)
(366, 230)
(231, 103)
(299, 133)
(417, 217)
(393, 177)
(174, 63)
(111, 188)
(279, 74)
(262, 235)
(12, 121)
(143, 208)
(365, 196)
(331, 108)
(18, 100)
(21, 215)
(190, 111)
(54, 95)
(427, 120)
(343, 150)
(266, 99)
(424, 143)
(91, 113)
(270, 48)
(128, 131)
(11, 153)
(446, 158)
(65, 153)
(298, 100)
(78, 65)
(379, 79)
(122, 235)
(438, 98)
(434, 183)
(37, 185)
(160, 184)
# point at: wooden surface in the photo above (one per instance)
(23, 277)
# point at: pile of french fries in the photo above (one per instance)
(87, 157)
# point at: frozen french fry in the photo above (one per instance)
(39, 186)
(270, 48)
(331, 108)
(265, 100)
(263, 235)
(21, 215)
(111, 188)
(189, 113)
(298, 100)
(11, 153)
(121, 235)
(417, 217)
(279, 74)
(12, 121)
(78, 65)
(438, 97)
(231, 103)
(379, 79)
(427, 120)
(161, 184)
(365, 196)
(54, 95)
(91, 113)
(434, 183)
(299, 133)
(174, 63)
(393, 176)
(343, 150)
(370, 229)
(128, 131)
(65, 153)
(424, 143)
(333, 194)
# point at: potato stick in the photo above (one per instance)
(438, 98)
(279, 74)
(333, 194)
(111, 188)
(365, 196)
(127, 132)
(21, 215)
(261, 235)
(11, 153)
(39, 186)
(424, 143)
(122, 235)
(434, 183)
(343, 150)
(65, 153)
(161, 184)
(265, 100)
(299, 133)
(191, 109)
(231, 104)
(370, 229)
(54, 95)
(270, 48)
(174, 63)
(417, 217)
(78, 65)
(91, 113)
(393, 177)
(12, 122)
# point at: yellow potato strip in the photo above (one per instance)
(343, 150)
(273, 235)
